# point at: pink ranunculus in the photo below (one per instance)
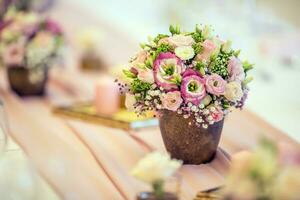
(235, 69)
(167, 67)
(193, 89)
(208, 48)
(14, 55)
(215, 84)
(171, 100)
(217, 114)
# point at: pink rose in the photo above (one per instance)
(193, 88)
(217, 114)
(171, 100)
(146, 75)
(14, 54)
(167, 67)
(140, 58)
(235, 69)
(215, 84)
(208, 48)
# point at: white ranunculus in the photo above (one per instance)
(181, 40)
(155, 167)
(233, 91)
(130, 101)
(185, 52)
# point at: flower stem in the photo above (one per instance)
(158, 189)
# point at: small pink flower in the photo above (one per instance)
(193, 88)
(14, 55)
(171, 100)
(167, 67)
(235, 69)
(208, 48)
(215, 84)
(217, 114)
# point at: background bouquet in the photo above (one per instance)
(29, 40)
(195, 74)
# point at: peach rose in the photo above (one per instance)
(172, 100)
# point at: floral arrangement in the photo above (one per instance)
(154, 169)
(29, 40)
(272, 172)
(194, 74)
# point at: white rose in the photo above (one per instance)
(155, 167)
(233, 91)
(181, 40)
(185, 52)
(130, 101)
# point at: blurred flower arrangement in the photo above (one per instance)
(29, 40)
(194, 74)
(29, 44)
(155, 168)
(272, 172)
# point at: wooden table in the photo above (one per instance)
(85, 161)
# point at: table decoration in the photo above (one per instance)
(29, 45)
(154, 169)
(107, 100)
(192, 80)
(89, 40)
(271, 172)
(122, 119)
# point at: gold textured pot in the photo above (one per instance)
(186, 141)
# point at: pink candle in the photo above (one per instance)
(106, 96)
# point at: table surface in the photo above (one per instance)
(87, 161)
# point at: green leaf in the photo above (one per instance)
(138, 86)
(247, 66)
(129, 74)
(226, 105)
(237, 53)
(163, 48)
(200, 67)
(247, 80)
(197, 48)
